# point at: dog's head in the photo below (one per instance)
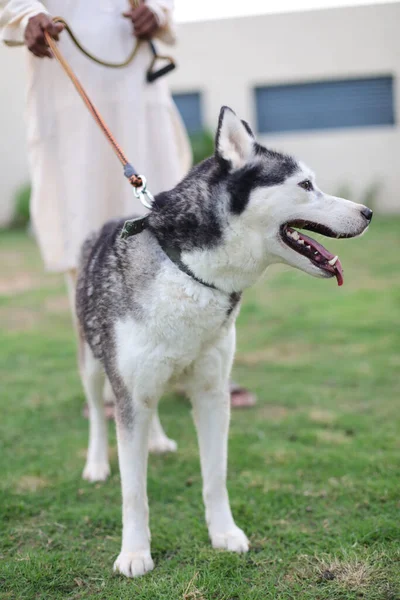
(246, 205)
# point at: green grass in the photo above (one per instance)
(314, 469)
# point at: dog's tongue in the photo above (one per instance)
(339, 272)
(337, 268)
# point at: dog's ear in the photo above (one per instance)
(234, 142)
(248, 128)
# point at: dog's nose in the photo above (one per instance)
(367, 213)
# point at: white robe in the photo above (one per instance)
(77, 181)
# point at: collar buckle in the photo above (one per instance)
(143, 194)
(133, 227)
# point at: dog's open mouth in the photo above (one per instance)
(311, 249)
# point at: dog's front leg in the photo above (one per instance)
(209, 393)
(211, 415)
(133, 423)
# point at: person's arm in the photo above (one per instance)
(153, 19)
(164, 11)
(14, 17)
(24, 22)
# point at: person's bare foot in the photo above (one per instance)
(109, 408)
(241, 397)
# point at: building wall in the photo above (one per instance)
(226, 59)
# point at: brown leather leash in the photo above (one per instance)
(133, 177)
(137, 181)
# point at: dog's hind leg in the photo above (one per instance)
(210, 397)
(159, 442)
(97, 467)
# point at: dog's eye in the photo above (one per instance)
(306, 185)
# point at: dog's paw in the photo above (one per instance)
(162, 445)
(96, 471)
(234, 540)
(133, 564)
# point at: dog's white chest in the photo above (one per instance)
(180, 322)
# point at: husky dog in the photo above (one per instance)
(161, 306)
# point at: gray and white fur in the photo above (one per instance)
(145, 323)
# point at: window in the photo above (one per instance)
(189, 106)
(325, 105)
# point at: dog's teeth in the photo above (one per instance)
(308, 247)
(333, 261)
(316, 252)
(295, 235)
(301, 241)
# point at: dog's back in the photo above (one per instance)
(112, 274)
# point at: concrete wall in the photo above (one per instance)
(226, 59)
(13, 161)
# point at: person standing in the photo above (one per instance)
(77, 182)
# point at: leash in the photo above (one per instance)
(88, 54)
(137, 181)
(151, 74)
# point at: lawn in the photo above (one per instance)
(314, 469)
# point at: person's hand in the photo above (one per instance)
(34, 34)
(144, 21)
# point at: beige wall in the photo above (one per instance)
(226, 59)
(13, 161)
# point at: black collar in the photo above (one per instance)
(135, 226)
(175, 256)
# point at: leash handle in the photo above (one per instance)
(134, 179)
(152, 75)
(170, 66)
